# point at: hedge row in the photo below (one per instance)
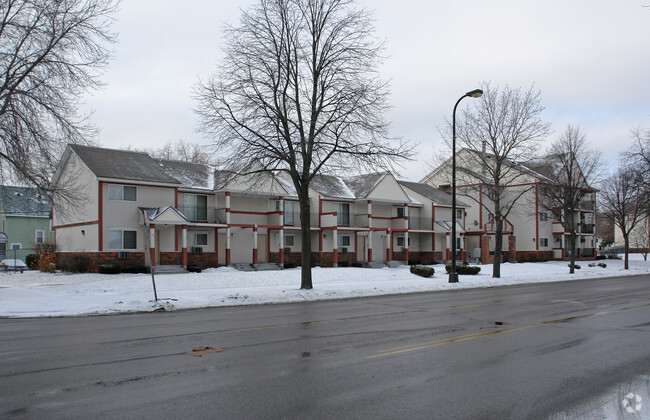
(422, 271)
(464, 269)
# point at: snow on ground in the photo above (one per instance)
(33, 293)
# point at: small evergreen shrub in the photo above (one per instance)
(601, 257)
(356, 264)
(613, 257)
(193, 268)
(32, 261)
(464, 269)
(135, 269)
(422, 271)
(344, 264)
(109, 269)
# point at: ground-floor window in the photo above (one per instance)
(122, 239)
(39, 236)
(543, 242)
(200, 239)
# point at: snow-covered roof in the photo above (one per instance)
(438, 197)
(191, 175)
(23, 201)
(362, 185)
(331, 186)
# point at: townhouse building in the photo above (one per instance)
(532, 230)
(135, 210)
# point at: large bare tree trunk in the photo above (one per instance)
(305, 234)
(627, 252)
(498, 248)
(572, 245)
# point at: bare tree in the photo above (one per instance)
(573, 168)
(639, 156)
(51, 53)
(624, 203)
(640, 237)
(181, 150)
(298, 92)
(501, 133)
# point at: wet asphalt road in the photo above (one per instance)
(510, 352)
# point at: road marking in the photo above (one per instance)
(481, 334)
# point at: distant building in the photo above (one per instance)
(25, 216)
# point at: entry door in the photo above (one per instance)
(361, 248)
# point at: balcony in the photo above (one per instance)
(202, 214)
(423, 223)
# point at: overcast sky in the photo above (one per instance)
(589, 58)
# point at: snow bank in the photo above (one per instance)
(44, 294)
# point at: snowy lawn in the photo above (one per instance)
(41, 294)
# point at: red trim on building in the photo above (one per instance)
(94, 222)
(100, 217)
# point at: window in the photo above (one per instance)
(343, 240)
(289, 214)
(16, 246)
(195, 207)
(459, 214)
(400, 241)
(39, 236)
(121, 192)
(122, 239)
(401, 212)
(543, 217)
(342, 214)
(543, 242)
(51, 225)
(288, 240)
(200, 239)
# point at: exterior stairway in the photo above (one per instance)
(169, 269)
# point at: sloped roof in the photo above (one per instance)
(24, 201)
(331, 186)
(437, 196)
(172, 214)
(190, 175)
(362, 185)
(123, 164)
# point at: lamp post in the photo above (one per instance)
(453, 275)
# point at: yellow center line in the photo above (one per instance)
(481, 334)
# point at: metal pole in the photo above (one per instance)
(148, 251)
(453, 275)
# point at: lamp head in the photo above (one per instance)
(476, 93)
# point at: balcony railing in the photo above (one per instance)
(202, 214)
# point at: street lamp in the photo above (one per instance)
(453, 275)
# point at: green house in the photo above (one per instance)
(25, 218)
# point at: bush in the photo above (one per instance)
(109, 269)
(422, 271)
(344, 264)
(135, 269)
(193, 268)
(613, 257)
(464, 269)
(47, 262)
(32, 261)
(75, 263)
(356, 264)
(601, 257)
(603, 265)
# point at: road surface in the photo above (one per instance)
(515, 352)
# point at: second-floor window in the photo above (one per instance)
(459, 214)
(543, 216)
(289, 213)
(39, 236)
(342, 214)
(195, 207)
(122, 192)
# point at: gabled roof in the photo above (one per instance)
(362, 185)
(437, 196)
(123, 164)
(22, 201)
(331, 186)
(164, 215)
